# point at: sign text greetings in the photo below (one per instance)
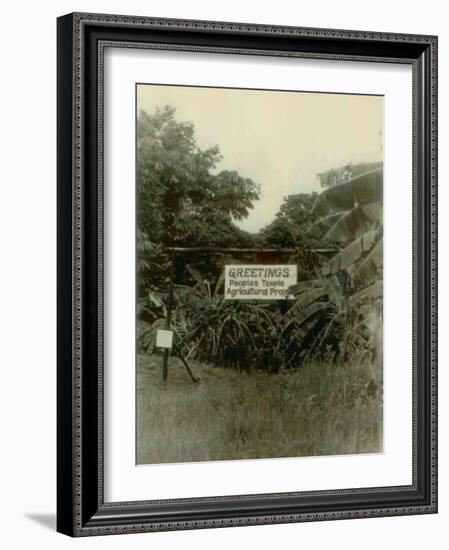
(259, 282)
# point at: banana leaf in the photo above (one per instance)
(298, 314)
(200, 283)
(371, 292)
(349, 255)
(368, 269)
(296, 289)
(354, 223)
(323, 224)
(373, 211)
(335, 291)
(363, 189)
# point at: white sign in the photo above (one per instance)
(164, 339)
(259, 282)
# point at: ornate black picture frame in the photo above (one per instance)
(81, 508)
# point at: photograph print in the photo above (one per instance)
(259, 274)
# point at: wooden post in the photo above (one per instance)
(189, 370)
(171, 286)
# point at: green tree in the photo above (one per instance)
(292, 223)
(182, 200)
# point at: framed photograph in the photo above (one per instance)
(247, 274)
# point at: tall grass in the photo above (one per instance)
(319, 409)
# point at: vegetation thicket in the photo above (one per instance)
(294, 377)
(336, 236)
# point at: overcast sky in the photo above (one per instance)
(279, 139)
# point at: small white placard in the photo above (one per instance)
(164, 339)
(259, 282)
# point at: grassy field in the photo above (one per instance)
(321, 409)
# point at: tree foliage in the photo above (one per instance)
(181, 197)
(182, 200)
(291, 226)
